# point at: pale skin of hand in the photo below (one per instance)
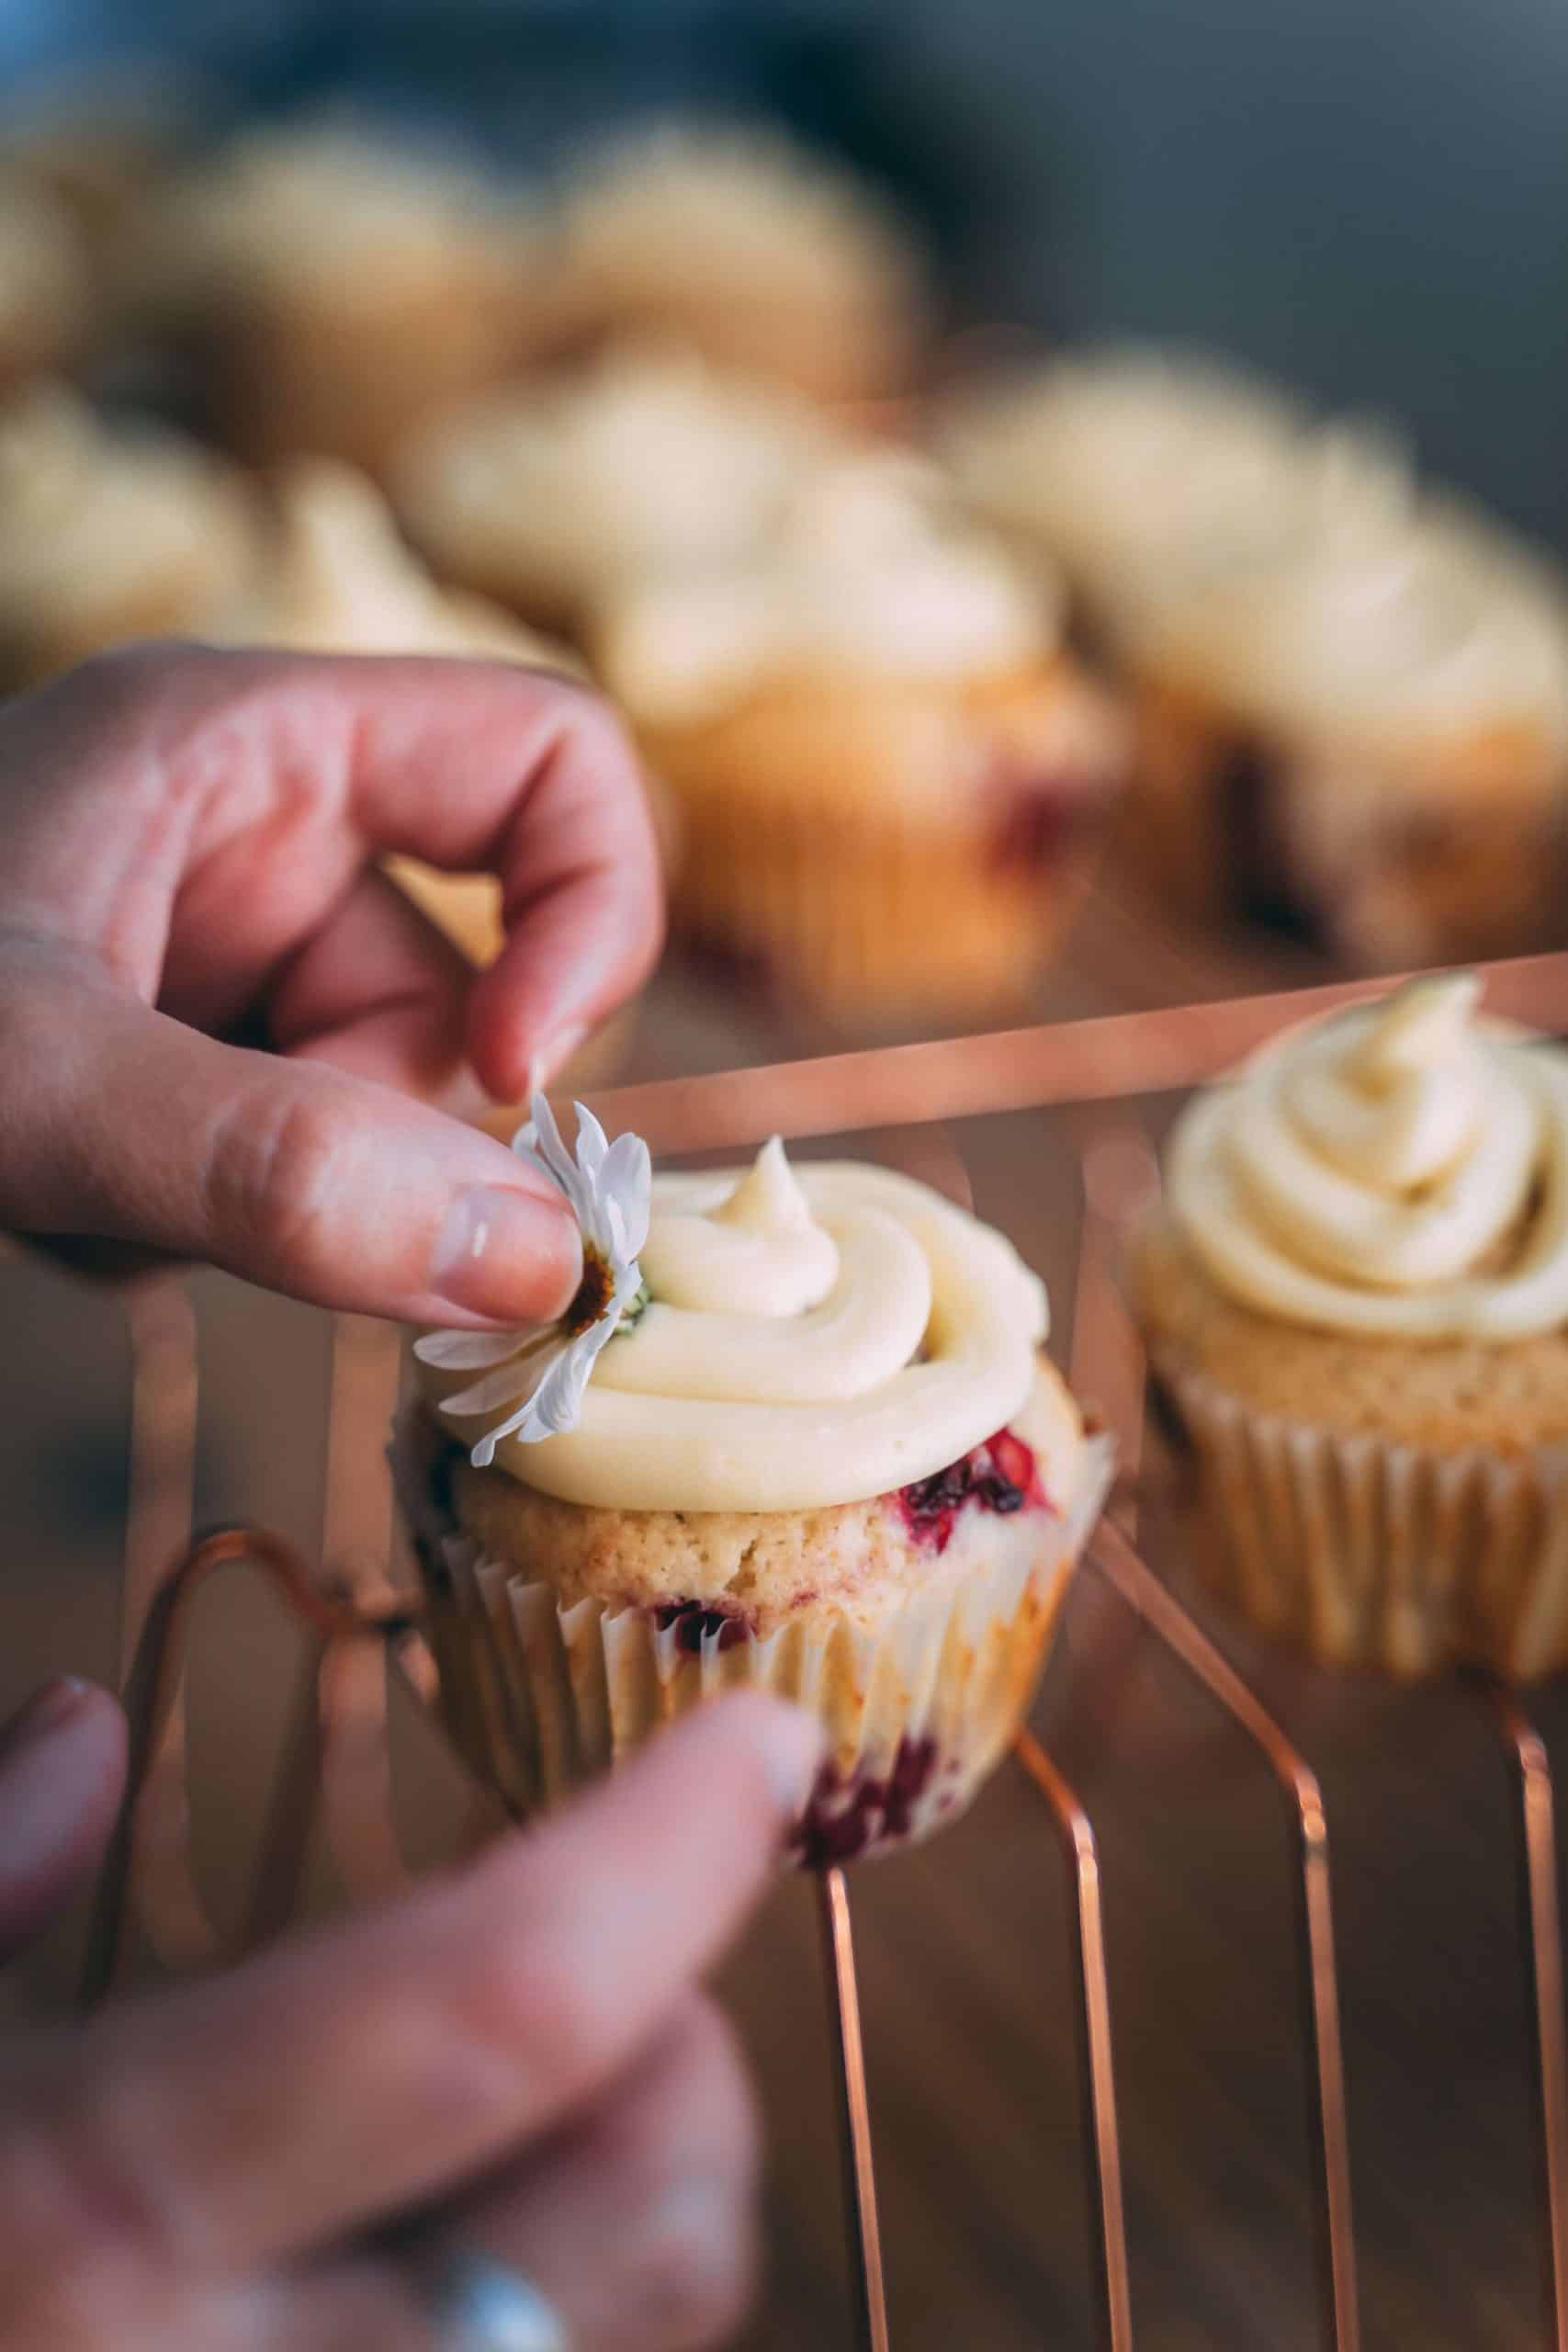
(518, 2054)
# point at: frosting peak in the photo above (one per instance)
(814, 1337)
(1402, 1171)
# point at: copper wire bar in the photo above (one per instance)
(1143, 1592)
(855, 2115)
(1103, 2136)
(1544, 1944)
(1014, 1069)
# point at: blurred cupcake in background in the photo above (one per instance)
(761, 257)
(101, 142)
(329, 289)
(1356, 1303)
(891, 778)
(547, 495)
(109, 531)
(46, 284)
(801, 1437)
(1370, 730)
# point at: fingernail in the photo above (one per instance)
(511, 1256)
(552, 1056)
(46, 1711)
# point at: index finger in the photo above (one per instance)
(330, 2084)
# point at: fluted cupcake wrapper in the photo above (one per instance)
(542, 1697)
(1368, 1553)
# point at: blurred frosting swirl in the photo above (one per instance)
(816, 1336)
(869, 568)
(1402, 1171)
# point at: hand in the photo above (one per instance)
(514, 2057)
(187, 844)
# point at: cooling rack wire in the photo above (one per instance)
(336, 1765)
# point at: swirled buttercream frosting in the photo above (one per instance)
(1399, 1172)
(814, 1337)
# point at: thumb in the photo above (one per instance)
(61, 1772)
(118, 1121)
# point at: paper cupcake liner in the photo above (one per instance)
(541, 1698)
(1368, 1553)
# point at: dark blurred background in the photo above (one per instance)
(1367, 197)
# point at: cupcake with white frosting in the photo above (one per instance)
(329, 289)
(1356, 1301)
(797, 1432)
(762, 257)
(109, 532)
(550, 495)
(891, 775)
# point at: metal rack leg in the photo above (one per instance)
(1094, 2010)
(1544, 1944)
(855, 2115)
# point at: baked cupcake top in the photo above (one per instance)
(45, 283)
(868, 569)
(336, 577)
(646, 461)
(1381, 634)
(89, 511)
(1400, 1171)
(738, 241)
(1139, 469)
(791, 1340)
(318, 207)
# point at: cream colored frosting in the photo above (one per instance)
(644, 461)
(869, 568)
(339, 579)
(323, 205)
(89, 514)
(816, 1336)
(1144, 471)
(1401, 1171)
(1430, 624)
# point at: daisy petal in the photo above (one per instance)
(628, 1179)
(465, 1350)
(501, 1387)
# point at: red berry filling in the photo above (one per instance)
(833, 1830)
(1000, 1475)
(695, 1620)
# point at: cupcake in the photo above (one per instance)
(547, 496)
(1370, 730)
(329, 291)
(108, 532)
(46, 285)
(1355, 1299)
(891, 778)
(808, 1443)
(765, 259)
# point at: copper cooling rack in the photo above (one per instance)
(362, 1625)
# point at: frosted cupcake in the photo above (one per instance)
(808, 1442)
(550, 495)
(328, 291)
(1356, 1301)
(763, 258)
(1373, 724)
(892, 778)
(107, 533)
(46, 289)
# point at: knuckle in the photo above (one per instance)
(541, 2017)
(271, 1167)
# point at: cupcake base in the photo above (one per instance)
(541, 1697)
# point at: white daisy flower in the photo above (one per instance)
(543, 1368)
